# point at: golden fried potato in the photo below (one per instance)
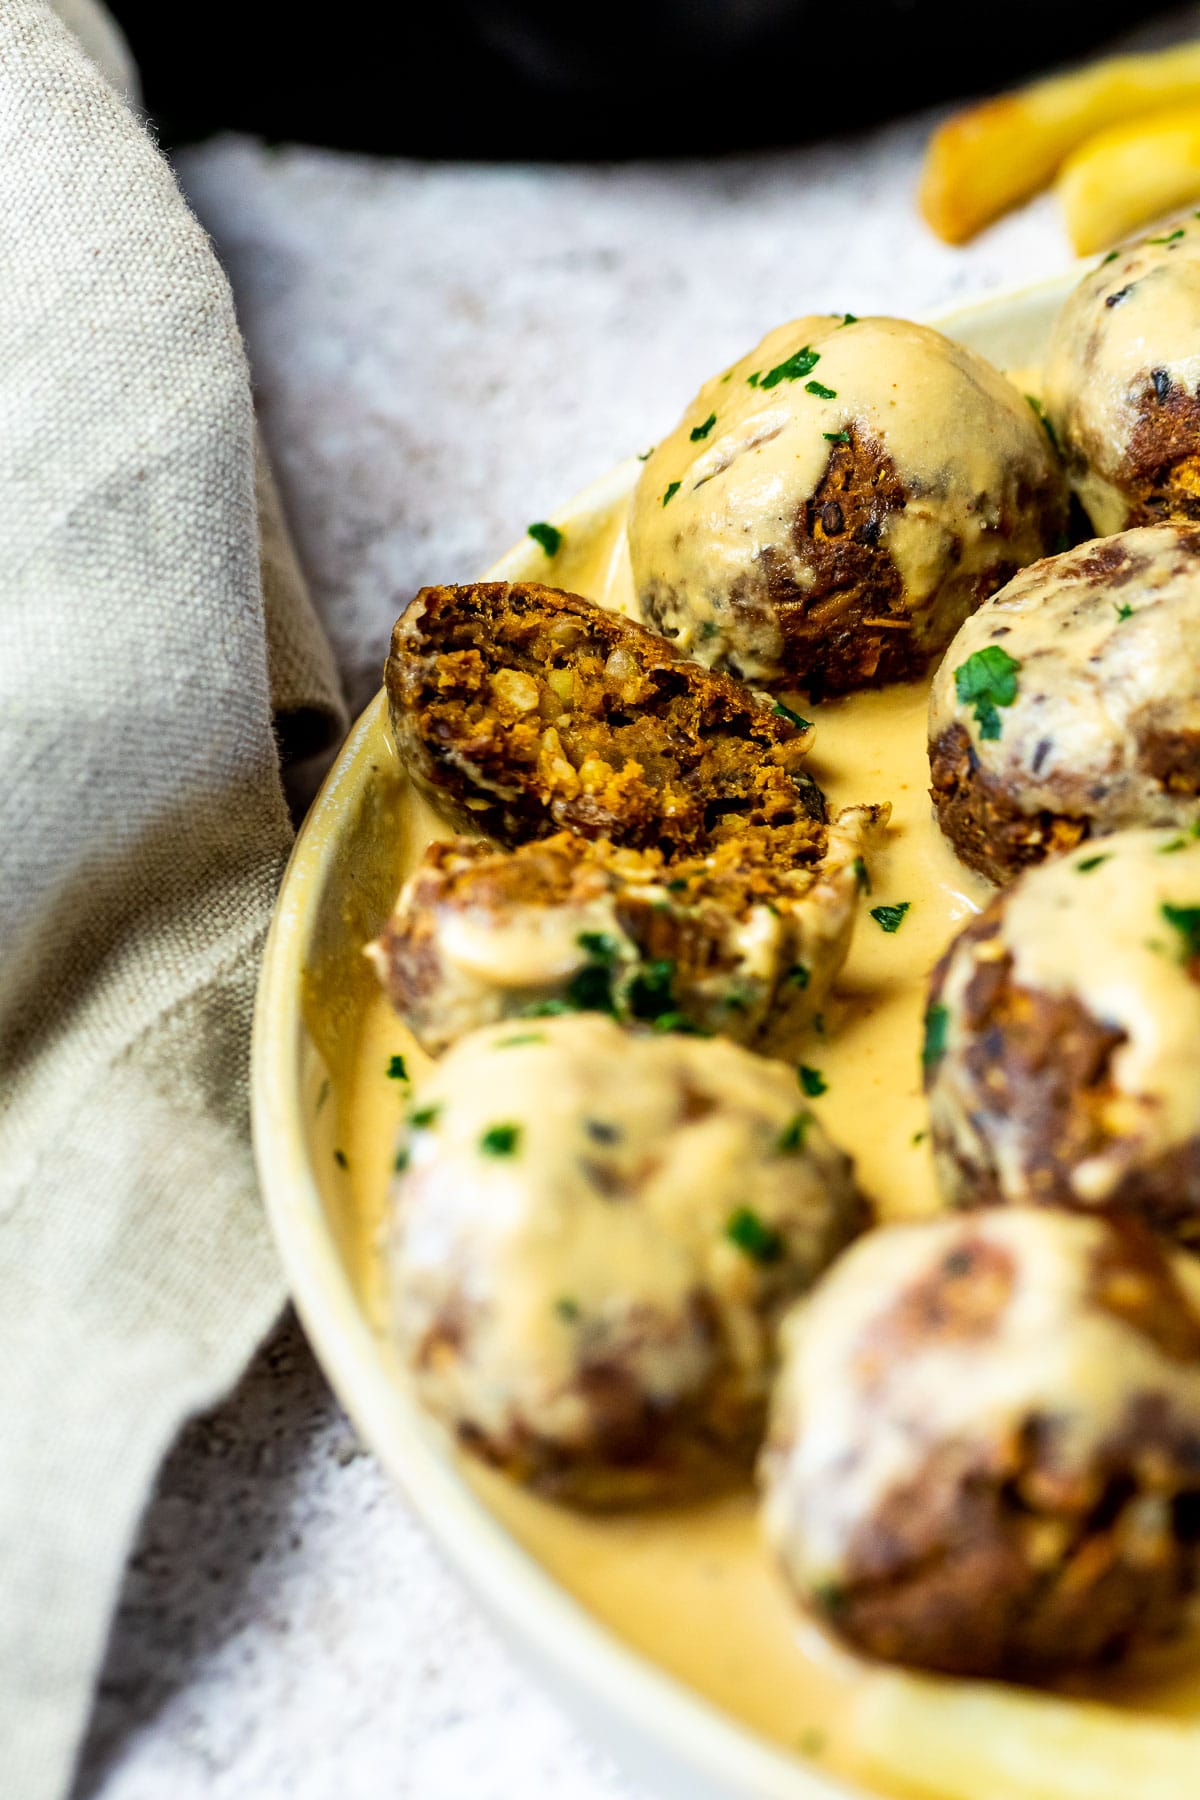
(989, 157)
(1129, 174)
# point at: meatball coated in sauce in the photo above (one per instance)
(830, 509)
(984, 1452)
(593, 1237)
(1068, 706)
(524, 711)
(1122, 379)
(1062, 1058)
(727, 943)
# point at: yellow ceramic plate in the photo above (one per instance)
(669, 1633)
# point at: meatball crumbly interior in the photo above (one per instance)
(526, 711)
(729, 943)
(594, 1234)
(1068, 706)
(1063, 1037)
(984, 1452)
(1122, 379)
(831, 508)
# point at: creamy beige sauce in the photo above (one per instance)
(693, 1588)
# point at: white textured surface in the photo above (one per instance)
(442, 355)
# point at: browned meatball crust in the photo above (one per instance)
(1062, 1035)
(984, 1456)
(524, 710)
(729, 943)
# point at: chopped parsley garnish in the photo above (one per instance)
(651, 993)
(830, 1597)
(522, 1037)
(1181, 843)
(1043, 420)
(672, 490)
(818, 1024)
(700, 432)
(598, 944)
(890, 918)
(567, 1310)
(986, 680)
(1125, 611)
(762, 1243)
(548, 536)
(862, 876)
(546, 1009)
(812, 1081)
(424, 1117)
(401, 1162)
(645, 455)
(677, 1021)
(836, 437)
(791, 1138)
(1113, 255)
(500, 1140)
(1172, 237)
(801, 363)
(678, 886)
(793, 718)
(753, 380)
(918, 1137)
(798, 975)
(937, 1026)
(397, 1069)
(849, 319)
(1186, 920)
(339, 1157)
(819, 391)
(322, 1094)
(1092, 862)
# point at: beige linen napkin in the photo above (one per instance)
(142, 834)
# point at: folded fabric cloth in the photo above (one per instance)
(143, 830)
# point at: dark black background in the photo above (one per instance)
(549, 79)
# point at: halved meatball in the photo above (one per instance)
(593, 1236)
(727, 943)
(984, 1451)
(524, 711)
(831, 508)
(1122, 381)
(1062, 1058)
(1068, 706)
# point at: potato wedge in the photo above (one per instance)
(933, 1740)
(1132, 173)
(989, 157)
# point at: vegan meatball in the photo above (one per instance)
(830, 509)
(594, 1234)
(725, 943)
(524, 711)
(1121, 381)
(1062, 1057)
(1068, 706)
(984, 1452)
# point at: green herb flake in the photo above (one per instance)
(818, 1024)
(791, 1138)
(401, 1162)
(849, 319)
(890, 918)
(1186, 921)
(812, 1081)
(322, 1094)
(918, 1137)
(937, 1026)
(522, 1037)
(836, 437)
(1043, 420)
(1125, 611)
(548, 536)
(794, 368)
(862, 875)
(651, 992)
(798, 975)
(679, 1022)
(1172, 237)
(672, 490)
(819, 391)
(1175, 844)
(793, 718)
(986, 680)
(700, 432)
(339, 1157)
(501, 1140)
(830, 1598)
(1088, 863)
(645, 455)
(761, 1243)
(1113, 255)
(546, 1009)
(397, 1069)
(598, 945)
(568, 1310)
(424, 1117)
